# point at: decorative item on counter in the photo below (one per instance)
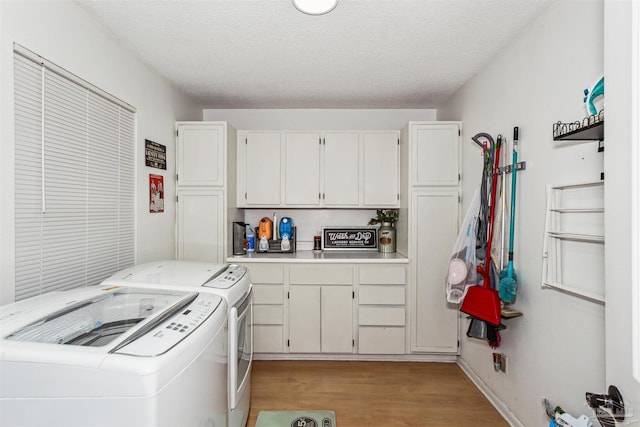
(349, 238)
(387, 233)
(317, 241)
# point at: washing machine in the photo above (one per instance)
(114, 356)
(231, 282)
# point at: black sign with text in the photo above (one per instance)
(155, 155)
(349, 238)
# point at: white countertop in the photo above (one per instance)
(329, 256)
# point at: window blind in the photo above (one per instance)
(74, 180)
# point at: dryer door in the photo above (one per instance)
(240, 348)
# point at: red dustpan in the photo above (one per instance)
(482, 301)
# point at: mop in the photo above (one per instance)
(508, 283)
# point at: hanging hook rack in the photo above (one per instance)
(520, 166)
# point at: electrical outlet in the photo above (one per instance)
(503, 362)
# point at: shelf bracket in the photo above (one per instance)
(520, 166)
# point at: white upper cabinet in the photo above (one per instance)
(302, 169)
(201, 157)
(341, 169)
(262, 169)
(346, 169)
(435, 154)
(380, 183)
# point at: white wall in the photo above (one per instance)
(556, 350)
(318, 119)
(65, 34)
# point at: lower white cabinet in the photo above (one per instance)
(321, 309)
(330, 308)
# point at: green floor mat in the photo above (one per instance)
(296, 419)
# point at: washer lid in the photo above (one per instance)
(110, 314)
(168, 272)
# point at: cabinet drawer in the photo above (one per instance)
(268, 294)
(268, 339)
(268, 315)
(392, 295)
(378, 340)
(321, 275)
(388, 275)
(266, 273)
(380, 316)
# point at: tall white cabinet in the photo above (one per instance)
(205, 190)
(427, 230)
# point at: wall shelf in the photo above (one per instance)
(575, 132)
(573, 247)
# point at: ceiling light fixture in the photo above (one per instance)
(315, 7)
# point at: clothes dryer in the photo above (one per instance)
(233, 283)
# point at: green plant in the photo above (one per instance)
(384, 215)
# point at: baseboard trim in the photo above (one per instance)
(446, 358)
(490, 395)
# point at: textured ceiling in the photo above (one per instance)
(364, 54)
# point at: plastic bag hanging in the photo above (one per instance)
(462, 270)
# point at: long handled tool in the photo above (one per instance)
(483, 302)
(508, 283)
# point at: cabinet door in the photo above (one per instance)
(341, 172)
(435, 154)
(380, 162)
(200, 157)
(262, 169)
(200, 225)
(434, 224)
(336, 313)
(304, 319)
(302, 169)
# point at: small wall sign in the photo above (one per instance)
(362, 238)
(156, 193)
(155, 155)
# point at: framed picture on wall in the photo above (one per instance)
(156, 193)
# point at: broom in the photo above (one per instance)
(508, 282)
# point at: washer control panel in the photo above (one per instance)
(227, 277)
(165, 335)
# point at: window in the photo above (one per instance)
(74, 179)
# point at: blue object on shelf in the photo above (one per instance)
(286, 227)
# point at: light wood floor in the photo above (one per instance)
(375, 394)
